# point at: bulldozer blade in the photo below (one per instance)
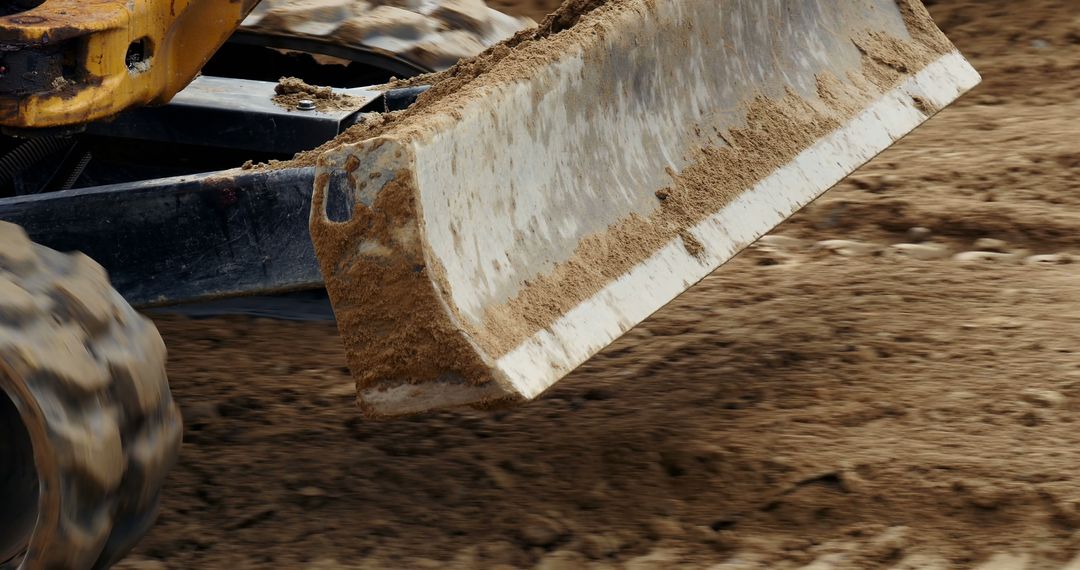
(543, 199)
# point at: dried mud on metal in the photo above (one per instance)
(890, 380)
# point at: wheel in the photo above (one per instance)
(88, 428)
(401, 37)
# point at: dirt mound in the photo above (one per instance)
(294, 94)
(875, 396)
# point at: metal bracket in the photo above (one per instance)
(185, 239)
(241, 114)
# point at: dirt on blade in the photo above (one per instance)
(294, 94)
(891, 379)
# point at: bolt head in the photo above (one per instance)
(306, 105)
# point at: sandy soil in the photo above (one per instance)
(837, 404)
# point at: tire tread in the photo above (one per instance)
(96, 370)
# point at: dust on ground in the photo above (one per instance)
(847, 403)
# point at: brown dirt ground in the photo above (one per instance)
(796, 407)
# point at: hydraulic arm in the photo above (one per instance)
(68, 62)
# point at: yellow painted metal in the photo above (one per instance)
(172, 39)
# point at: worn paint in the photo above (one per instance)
(181, 35)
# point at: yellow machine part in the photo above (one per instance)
(68, 62)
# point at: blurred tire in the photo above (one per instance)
(89, 426)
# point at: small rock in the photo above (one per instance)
(919, 234)
(889, 544)
(467, 557)
(537, 530)
(1000, 322)
(600, 546)
(991, 244)
(1050, 259)
(656, 560)
(501, 477)
(340, 391)
(985, 495)
(221, 333)
(1016, 295)
(719, 540)
(977, 256)
(665, 528)
(888, 181)
(848, 248)
(1043, 398)
(1035, 417)
(829, 561)
(1067, 509)
(501, 551)
(593, 498)
(1005, 562)
(781, 242)
(311, 497)
(562, 560)
(922, 251)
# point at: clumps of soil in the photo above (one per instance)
(291, 91)
(296, 86)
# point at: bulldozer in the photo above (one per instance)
(482, 226)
